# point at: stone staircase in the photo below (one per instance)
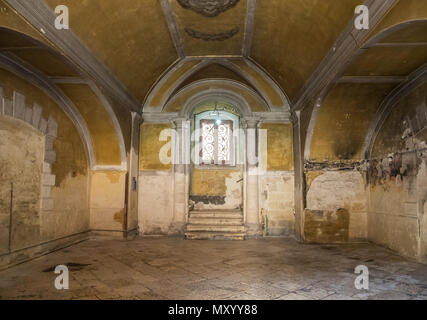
(215, 225)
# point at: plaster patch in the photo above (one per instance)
(339, 199)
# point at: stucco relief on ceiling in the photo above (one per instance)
(208, 8)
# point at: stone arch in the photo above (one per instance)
(53, 87)
(239, 71)
(110, 111)
(41, 81)
(219, 94)
(386, 107)
(376, 39)
(384, 33)
(17, 109)
(168, 84)
(253, 75)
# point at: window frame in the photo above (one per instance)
(223, 116)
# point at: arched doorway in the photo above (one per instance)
(222, 195)
(216, 172)
(217, 157)
(218, 181)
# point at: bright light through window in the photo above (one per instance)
(216, 139)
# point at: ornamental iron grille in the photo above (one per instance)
(216, 142)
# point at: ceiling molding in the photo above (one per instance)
(340, 54)
(69, 80)
(414, 80)
(19, 48)
(159, 117)
(173, 29)
(222, 36)
(214, 57)
(38, 79)
(273, 117)
(371, 79)
(398, 44)
(37, 13)
(249, 28)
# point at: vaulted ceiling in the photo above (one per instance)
(384, 69)
(309, 50)
(139, 40)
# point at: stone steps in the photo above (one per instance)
(215, 225)
(215, 215)
(216, 228)
(216, 221)
(214, 236)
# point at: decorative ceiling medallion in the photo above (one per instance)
(208, 8)
(212, 36)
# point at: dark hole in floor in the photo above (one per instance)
(329, 248)
(72, 266)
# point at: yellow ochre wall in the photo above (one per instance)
(150, 147)
(279, 146)
(210, 182)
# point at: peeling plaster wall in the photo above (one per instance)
(397, 180)
(394, 220)
(381, 200)
(336, 207)
(21, 162)
(277, 203)
(66, 213)
(216, 189)
(156, 202)
(276, 180)
(107, 200)
(156, 182)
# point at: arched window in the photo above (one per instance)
(217, 138)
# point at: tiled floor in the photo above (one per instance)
(172, 268)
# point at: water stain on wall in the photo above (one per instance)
(119, 216)
(326, 226)
(113, 176)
